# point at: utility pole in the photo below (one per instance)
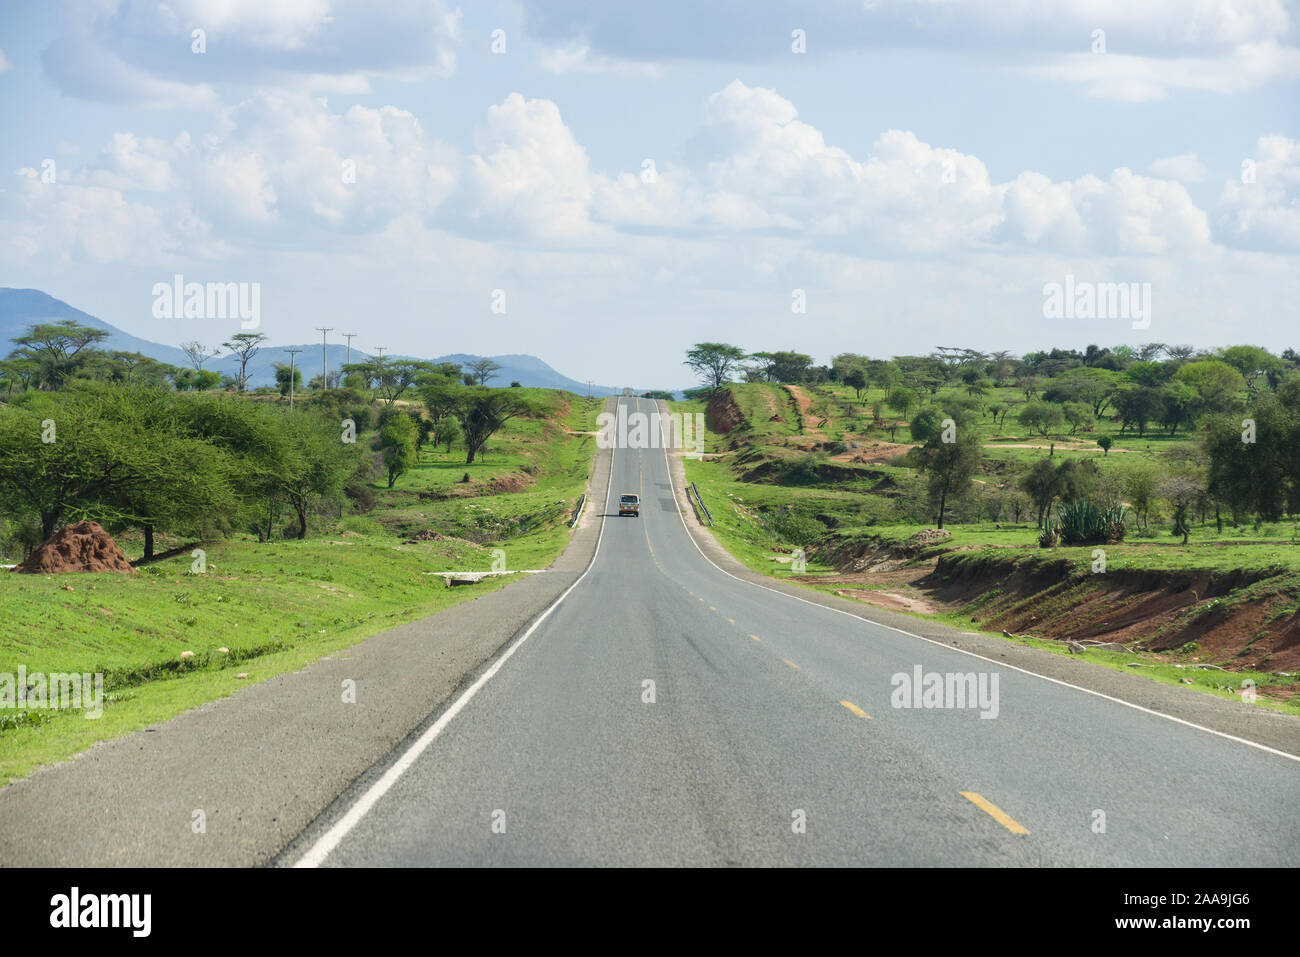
(292, 373)
(324, 372)
(350, 336)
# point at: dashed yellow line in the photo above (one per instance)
(731, 621)
(756, 638)
(995, 812)
(855, 709)
(790, 663)
(711, 608)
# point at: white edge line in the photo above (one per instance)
(1000, 664)
(331, 839)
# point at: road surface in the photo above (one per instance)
(667, 713)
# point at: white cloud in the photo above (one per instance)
(1155, 46)
(1117, 76)
(4, 62)
(282, 24)
(1185, 168)
(283, 169)
(86, 68)
(70, 223)
(1260, 209)
(530, 172)
(756, 167)
(140, 51)
(578, 58)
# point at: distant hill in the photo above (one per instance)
(21, 308)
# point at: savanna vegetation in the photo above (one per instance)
(1163, 457)
(276, 532)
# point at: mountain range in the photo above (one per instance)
(23, 308)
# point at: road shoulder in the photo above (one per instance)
(234, 781)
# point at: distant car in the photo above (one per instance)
(629, 504)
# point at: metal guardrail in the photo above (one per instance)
(704, 508)
(577, 513)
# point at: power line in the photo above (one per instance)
(324, 372)
(292, 374)
(350, 336)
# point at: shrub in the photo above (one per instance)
(1083, 523)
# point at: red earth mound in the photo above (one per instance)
(83, 547)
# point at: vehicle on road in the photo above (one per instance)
(629, 503)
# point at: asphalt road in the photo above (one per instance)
(771, 736)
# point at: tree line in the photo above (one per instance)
(1242, 404)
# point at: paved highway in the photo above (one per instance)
(771, 736)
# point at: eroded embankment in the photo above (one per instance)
(1239, 619)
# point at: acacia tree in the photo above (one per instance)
(482, 371)
(244, 346)
(198, 353)
(952, 457)
(55, 351)
(111, 454)
(483, 413)
(316, 467)
(714, 362)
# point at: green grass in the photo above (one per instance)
(282, 604)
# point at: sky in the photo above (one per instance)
(603, 184)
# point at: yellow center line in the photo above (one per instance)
(855, 709)
(790, 663)
(711, 608)
(993, 811)
(731, 621)
(756, 638)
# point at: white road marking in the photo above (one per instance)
(331, 839)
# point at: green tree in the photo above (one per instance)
(1216, 383)
(1141, 481)
(902, 400)
(1078, 415)
(55, 351)
(397, 442)
(1253, 364)
(483, 413)
(285, 376)
(244, 346)
(1180, 405)
(1137, 406)
(714, 362)
(1041, 417)
(951, 456)
(856, 379)
(482, 371)
(446, 432)
(1042, 483)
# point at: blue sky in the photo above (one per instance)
(919, 172)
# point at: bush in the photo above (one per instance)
(793, 526)
(362, 496)
(1083, 523)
